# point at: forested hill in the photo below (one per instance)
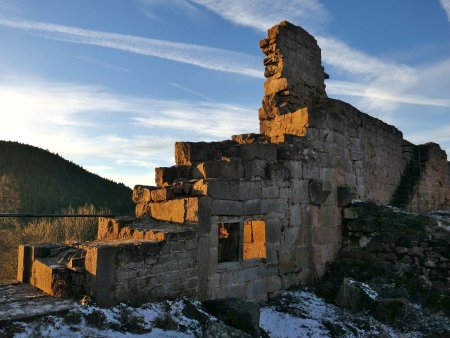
(35, 180)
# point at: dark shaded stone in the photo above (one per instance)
(390, 310)
(236, 313)
(220, 330)
(345, 194)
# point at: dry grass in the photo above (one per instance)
(46, 230)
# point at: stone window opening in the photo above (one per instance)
(241, 241)
(228, 248)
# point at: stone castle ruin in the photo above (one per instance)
(257, 214)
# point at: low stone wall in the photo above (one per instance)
(139, 271)
(135, 261)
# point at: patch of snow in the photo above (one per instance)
(292, 314)
(303, 314)
(278, 324)
(364, 241)
(55, 326)
(443, 226)
(442, 218)
(400, 211)
(365, 287)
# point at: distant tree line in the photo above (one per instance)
(33, 180)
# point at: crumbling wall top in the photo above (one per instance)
(295, 77)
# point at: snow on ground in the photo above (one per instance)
(364, 287)
(177, 319)
(303, 314)
(292, 314)
(442, 217)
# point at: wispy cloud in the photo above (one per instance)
(441, 135)
(117, 136)
(347, 59)
(355, 89)
(446, 7)
(262, 14)
(102, 63)
(182, 6)
(190, 91)
(209, 119)
(201, 56)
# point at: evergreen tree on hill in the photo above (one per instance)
(37, 181)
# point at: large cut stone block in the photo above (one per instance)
(50, 277)
(300, 191)
(226, 208)
(259, 151)
(254, 207)
(141, 209)
(212, 169)
(170, 211)
(319, 191)
(142, 193)
(204, 214)
(165, 176)
(187, 153)
(249, 190)
(295, 123)
(101, 268)
(192, 153)
(270, 189)
(224, 169)
(218, 189)
(162, 194)
(255, 169)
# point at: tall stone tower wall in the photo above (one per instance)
(294, 81)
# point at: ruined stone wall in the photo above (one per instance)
(366, 153)
(314, 155)
(403, 245)
(257, 214)
(433, 188)
(287, 186)
(138, 270)
(295, 80)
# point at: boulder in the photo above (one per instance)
(236, 313)
(356, 296)
(390, 310)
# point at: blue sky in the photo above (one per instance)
(112, 84)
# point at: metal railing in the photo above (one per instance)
(25, 215)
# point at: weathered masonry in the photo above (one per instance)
(256, 214)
